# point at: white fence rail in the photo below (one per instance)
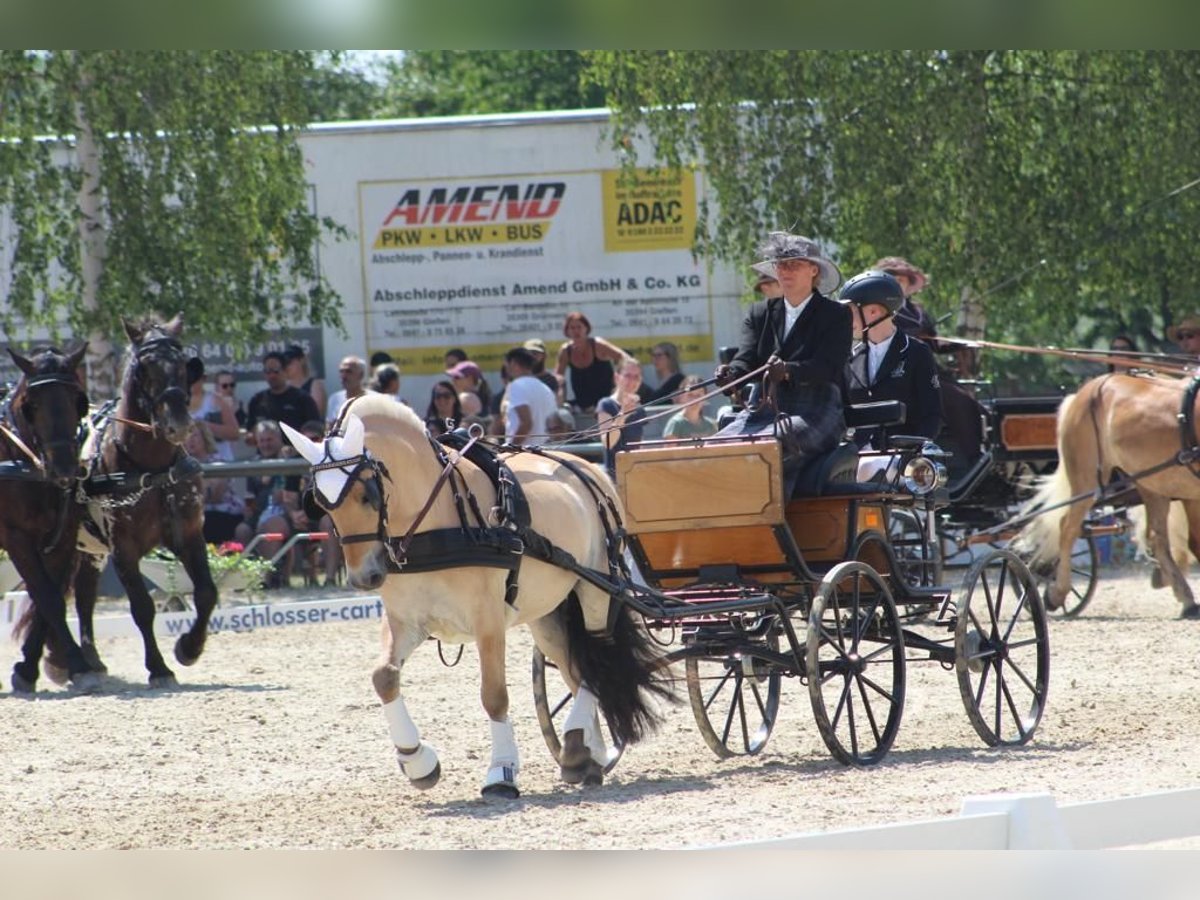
(1020, 822)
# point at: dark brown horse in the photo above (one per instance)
(144, 491)
(39, 468)
(1125, 425)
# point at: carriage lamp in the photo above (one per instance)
(923, 475)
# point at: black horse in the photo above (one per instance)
(39, 471)
(144, 491)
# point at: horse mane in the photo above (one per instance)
(373, 408)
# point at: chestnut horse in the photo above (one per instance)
(144, 491)
(39, 451)
(1125, 425)
(375, 478)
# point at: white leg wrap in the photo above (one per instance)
(400, 725)
(583, 710)
(585, 714)
(504, 746)
(419, 764)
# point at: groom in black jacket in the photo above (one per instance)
(803, 338)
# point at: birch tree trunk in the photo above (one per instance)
(101, 356)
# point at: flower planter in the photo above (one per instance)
(169, 576)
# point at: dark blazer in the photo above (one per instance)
(815, 350)
(908, 374)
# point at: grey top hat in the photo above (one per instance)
(782, 245)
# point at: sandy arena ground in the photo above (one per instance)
(275, 739)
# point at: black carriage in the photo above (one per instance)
(986, 495)
(745, 588)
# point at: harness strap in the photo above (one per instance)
(1187, 426)
(183, 468)
(449, 467)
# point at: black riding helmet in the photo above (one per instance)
(873, 286)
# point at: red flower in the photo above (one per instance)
(230, 547)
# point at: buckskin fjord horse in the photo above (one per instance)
(38, 513)
(144, 491)
(1139, 426)
(377, 475)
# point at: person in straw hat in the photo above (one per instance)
(1186, 334)
(803, 338)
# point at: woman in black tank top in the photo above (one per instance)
(585, 364)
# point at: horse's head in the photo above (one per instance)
(348, 483)
(52, 402)
(155, 387)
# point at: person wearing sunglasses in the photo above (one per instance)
(444, 407)
(214, 408)
(352, 370)
(278, 401)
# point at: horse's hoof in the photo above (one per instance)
(163, 682)
(21, 687)
(58, 674)
(502, 790)
(428, 781)
(85, 682)
(92, 658)
(1190, 612)
(578, 767)
(182, 656)
(1156, 578)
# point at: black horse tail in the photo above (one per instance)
(619, 668)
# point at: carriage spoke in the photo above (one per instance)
(867, 710)
(721, 682)
(877, 688)
(1018, 719)
(734, 707)
(1019, 672)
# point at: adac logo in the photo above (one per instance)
(472, 214)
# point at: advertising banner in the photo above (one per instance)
(487, 262)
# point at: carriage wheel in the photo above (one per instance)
(552, 714)
(1002, 649)
(735, 699)
(1085, 563)
(855, 664)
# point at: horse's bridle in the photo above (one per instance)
(46, 380)
(141, 353)
(371, 472)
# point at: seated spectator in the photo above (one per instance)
(1124, 346)
(665, 357)
(386, 380)
(276, 502)
(299, 375)
(537, 347)
(620, 416)
(379, 358)
(467, 376)
(224, 508)
(214, 408)
(352, 371)
(530, 403)
(444, 407)
(454, 356)
(278, 401)
(690, 421)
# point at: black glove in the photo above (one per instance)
(777, 370)
(723, 375)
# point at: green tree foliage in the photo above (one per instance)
(465, 82)
(175, 183)
(1032, 185)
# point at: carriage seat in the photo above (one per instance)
(835, 472)
(878, 412)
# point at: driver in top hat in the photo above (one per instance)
(804, 339)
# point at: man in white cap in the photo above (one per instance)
(803, 338)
